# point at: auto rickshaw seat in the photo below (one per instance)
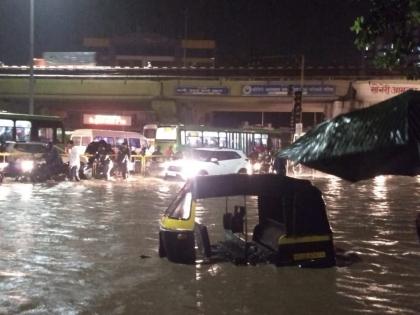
(237, 220)
(268, 232)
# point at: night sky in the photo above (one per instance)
(243, 29)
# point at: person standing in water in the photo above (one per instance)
(74, 161)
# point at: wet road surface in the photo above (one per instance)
(91, 248)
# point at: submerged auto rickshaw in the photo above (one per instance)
(292, 227)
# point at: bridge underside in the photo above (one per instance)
(217, 101)
(219, 112)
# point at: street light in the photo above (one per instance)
(302, 71)
(31, 57)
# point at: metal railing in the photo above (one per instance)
(137, 159)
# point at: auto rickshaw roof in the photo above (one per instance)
(294, 202)
(241, 184)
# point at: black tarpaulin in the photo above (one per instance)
(378, 140)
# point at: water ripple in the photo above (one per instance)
(91, 247)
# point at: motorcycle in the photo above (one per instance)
(41, 172)
(98, 166)
(85, 171)
(19, 169)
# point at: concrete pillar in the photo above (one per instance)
(328, 108)
(199, 115)
(337, 108)
(165, 110)
(185, 114)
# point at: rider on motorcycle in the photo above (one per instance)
(100, 161)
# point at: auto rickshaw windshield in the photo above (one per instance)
(180, 208)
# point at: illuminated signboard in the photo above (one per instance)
(92, 119)
(287, 90)
(199, 90)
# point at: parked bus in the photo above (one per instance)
(25, 128)
(149, 132)
(181, 136)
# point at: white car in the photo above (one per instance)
(208, 161)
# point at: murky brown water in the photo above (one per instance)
(76, 248)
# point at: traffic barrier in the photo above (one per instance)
(141, 162)
(146, 160)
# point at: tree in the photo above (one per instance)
(389, 35)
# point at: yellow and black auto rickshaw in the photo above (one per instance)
(290, 227)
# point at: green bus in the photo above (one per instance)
(25, 128)
(246, 139)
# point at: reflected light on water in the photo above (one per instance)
(163, 188)
(16, 274)
(334, 184)
(199, 212)
(198, 272)
(25, 191)
(214, 270)
(4, 192)
(74, 249)
(380, 190)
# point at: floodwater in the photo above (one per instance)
(91, 248)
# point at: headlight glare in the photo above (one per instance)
(27, 166)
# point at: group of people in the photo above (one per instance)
(100, 159)
(271, 161)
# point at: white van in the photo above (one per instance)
(82, 137)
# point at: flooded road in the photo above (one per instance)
(91, 248)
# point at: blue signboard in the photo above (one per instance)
(287, 90)
(317, 90)
(198, 90)
(265, 90)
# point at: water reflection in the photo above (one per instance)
(334, 185)
(91, 247)
(380, 191)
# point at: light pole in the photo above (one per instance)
(302, 79)
(302, 71)
(296, 117)
(31, 57)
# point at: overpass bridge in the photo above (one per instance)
(216, 95)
